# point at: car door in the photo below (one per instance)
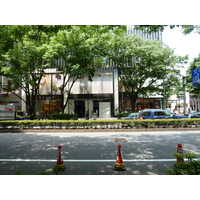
(146, 115)
(134, 116)
(163, 114)
(159, 114)
(169, 115)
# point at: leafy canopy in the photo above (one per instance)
(144, 64)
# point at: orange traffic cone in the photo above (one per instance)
(180, 151)
(60, 164)
(119, 166)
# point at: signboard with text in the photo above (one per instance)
(7, 112)
(196, 76)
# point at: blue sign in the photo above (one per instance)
(196, 76)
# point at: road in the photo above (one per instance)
(94, 153)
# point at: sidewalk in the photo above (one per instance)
(57, 130)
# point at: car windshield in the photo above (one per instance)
(20, 114)
(196, 113)
(133, 115)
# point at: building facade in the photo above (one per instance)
(102, 97)
(7, 97)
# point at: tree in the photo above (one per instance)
(154, 28)
(29, 52)
(23, 59)
(81, 50)
(143, 65)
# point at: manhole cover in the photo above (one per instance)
(120, 140)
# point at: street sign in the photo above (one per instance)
(196, 76)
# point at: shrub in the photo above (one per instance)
(60, 116)
(192, 167)
(123, 114)
(68, 121)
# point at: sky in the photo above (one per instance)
(182, 44)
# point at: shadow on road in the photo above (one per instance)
(134, 146)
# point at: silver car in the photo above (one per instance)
(131, 116)
(194, 115)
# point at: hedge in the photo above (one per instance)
(123, 114)
(62, 116)
(98, 124)
(190, 167)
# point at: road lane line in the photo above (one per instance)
(92, 160)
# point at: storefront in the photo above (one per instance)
(49, 99)
(48, 104)
(92, 105)
(141, 103)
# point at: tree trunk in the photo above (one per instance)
(31, 104)
(133, 98)
(64, 103)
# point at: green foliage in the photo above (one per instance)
(192, 167)
(190, 156)
(26, 57)
(81, 49)
(180, 157)
(43, 172)
(31, 49)
(18, 172)
(99, 124)
(60, 116)
(123, 114)
(143, 64)
(187, 29)
(58, 170)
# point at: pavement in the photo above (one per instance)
(94, 153)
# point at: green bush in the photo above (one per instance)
(67, 121)
(191, 167)
(123, 114)
(60, 116)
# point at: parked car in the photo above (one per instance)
(159, 114)
(194, 115)
(131, 116)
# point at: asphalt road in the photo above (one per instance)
(94, 153)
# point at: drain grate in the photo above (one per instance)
(120, 140)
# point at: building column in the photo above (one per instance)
(116, 91)
(23, 104)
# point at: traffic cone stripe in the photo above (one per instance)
(119, 166)
(60, 162)
(180, 150)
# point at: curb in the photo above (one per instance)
(96, 130)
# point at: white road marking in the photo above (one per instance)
(92, 160)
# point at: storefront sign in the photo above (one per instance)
(49, 97)
(196, 76)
